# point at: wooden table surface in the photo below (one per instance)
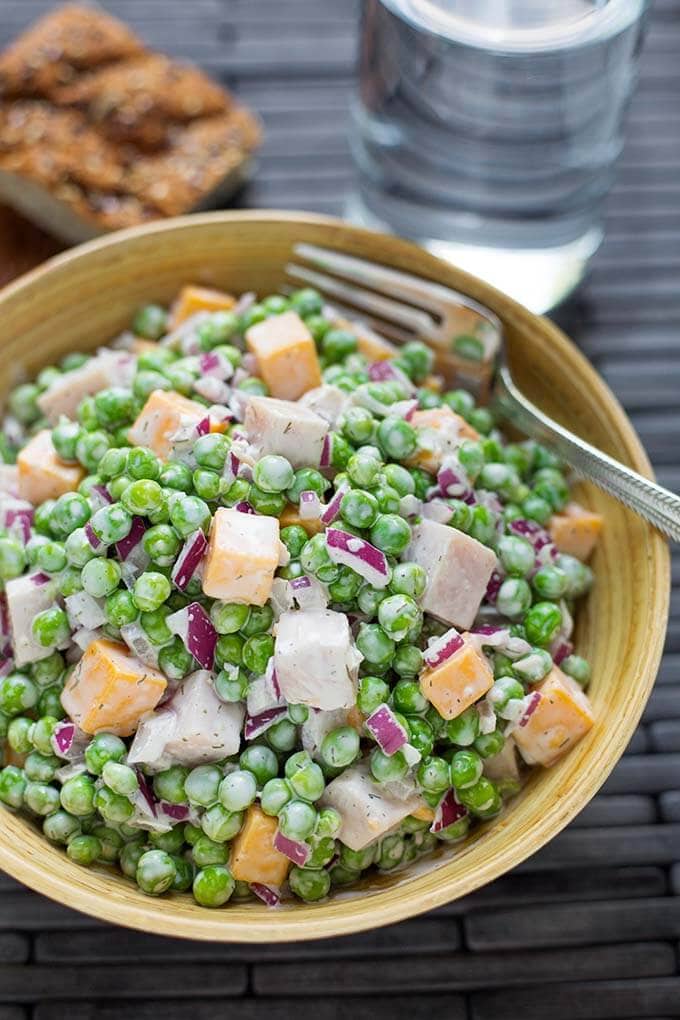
(590, 926)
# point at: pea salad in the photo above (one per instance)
(278, 606)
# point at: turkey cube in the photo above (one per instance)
(563, 715)
(287, 429)
(243, 554)
(42, 475)
(26, 597)
(368, 809)
(110, 689)
(328, 401)
(195, 728)
(286, 355)
(440, 432)
(458, 570)
(63, 396)
(315, 659)
(458, 682)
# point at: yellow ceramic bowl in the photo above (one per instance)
(81, 299)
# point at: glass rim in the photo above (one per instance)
(429, 16)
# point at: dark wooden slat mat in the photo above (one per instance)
(589, 928)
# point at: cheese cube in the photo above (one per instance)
(291, 515)
(576, 530)
(441, 433)
(458, 569)
(40, 472)
(562, 717)
(458, 682)
(285, 428)
(66, 392)
(27, 596)
(368, 809)
(193, 299)
(286, 355)
(242, 556)
(254, 858)
(110, 689)
(160, 418)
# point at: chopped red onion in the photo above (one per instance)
(215, 365)
(203, 426)
(389, 734)
(6, 661)
(146, 790)
(264, 693)
(257, 724)
(5, 628)
(451, 478)
(189, 559)
(244, 507)
(132, 539)
(94, 541)
(310, 506)
(325, 460)
(194, 627)
(295, 850)
(308, 593)
(531, 703)
(411, 754)
(99, 497)
(178, 812)
(18, 519)
(266, 893)
(404, 409)
(63, 736)
(447, 812)
(40, 578)
(493, 587)
(333, 508)
(442, 648)
(139, 644)
(385, 371)
(560, 649)
(365, 559)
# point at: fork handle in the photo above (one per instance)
(656, 504)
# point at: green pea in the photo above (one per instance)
(111, 806)
(257, 651)
(489, 744)
(114, 406)
(408, 660)
(23, 403)
(408, 698)
(537, 509)
(398, 615)
(143, 463)
(306, 302)
(102, 748)
(549, 582)
(282, 736)
(174, 660)
(359, 508)
(261, 762)
(40, 798)
(542, 623)
(154, 625)
(297, 819)
(150, 322)
(155, 872)
(120, 608)
(169, 784)
(41, 767)
(111, 523)
(372, 692)
(579, 576)
(415, 359)
(229, 650)
(480, 798)
(464, 729)
(49, 628)
(258, 620)
(275, 794)
(213, 886)
(309, 884)
(219, 824)
(19, 734)
(294, 537)
(237, 790)
(421, 735)
(48, 670)
(120, 778)
(12, 786)
(550, 485)
(100, 577)
(344, 589)
(386, 768)
(357, 425)
(506, 689)
(363, 469)
(84, 850)
(340, 747)
(514, 597)
(175, 476)
(150, 591)
(578, 668)
(375, 644)
(391, 534)
(231, 684)
(483, 525)
(13, 557)
(49, 702)
(534, 666)
(516, 554)
(369, 599)
(201, 785)
(397, 439)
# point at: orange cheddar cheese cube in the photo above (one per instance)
(193, 299)
(441, 431)
(286, 355)
(41, 474)
(457, 682)
(373, 346)
(162, 415)
(110, 689)
(254, 858)
(140, 345)
(243, 554)
(291, 515)
(563, 715)
(576, 530)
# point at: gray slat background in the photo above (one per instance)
(589, 927)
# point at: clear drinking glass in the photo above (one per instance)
(488, 131)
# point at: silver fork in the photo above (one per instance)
(404, 307)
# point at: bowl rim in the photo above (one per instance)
(330, 918)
